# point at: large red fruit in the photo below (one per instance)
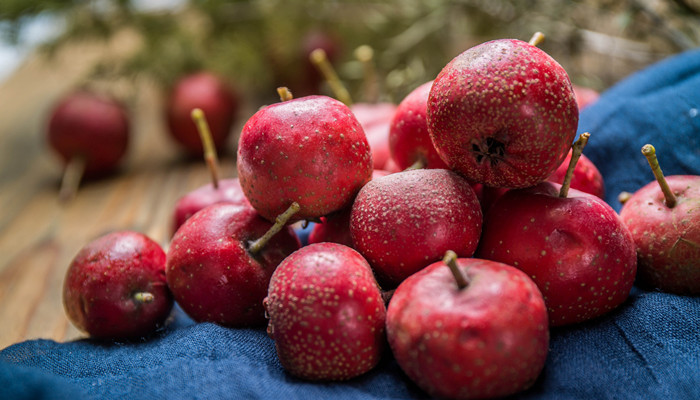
(404, 221)
(409, 140)
(575, 248)
(503, 113)
(311, 150)
(488, 339)
(115, 287)
(212, 271)
(326, 313)
(91, 126)
(666, 231)
(210, 93)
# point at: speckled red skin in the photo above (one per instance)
(667, 239)
(576, 249)
(375, 119)
(326, 313)
(212, 274)
(487, 340)
(405, 221)
(503, 113)
(311, 150)
(586, 177)
(228, 191)
(409, 140)
(99, 288)
(92, 126)
(214, 96)
(336, 227)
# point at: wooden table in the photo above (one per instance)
(38, 236)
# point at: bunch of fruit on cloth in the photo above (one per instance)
(488, 230)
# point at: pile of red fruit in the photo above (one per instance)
(473, 279)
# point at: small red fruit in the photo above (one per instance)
(405, 221)
(409, 140)
(575, 248)
(115, 287)
(664, 218)
(326, 313)
(212, 271)
(210, 93)
(484, 338)
(311, 150)
(503, 113)
(92, 127)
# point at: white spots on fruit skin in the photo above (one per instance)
(316, 306)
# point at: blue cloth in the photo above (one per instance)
(659, 105)
(648, 348)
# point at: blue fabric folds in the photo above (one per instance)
(648, 348)
(659, 105)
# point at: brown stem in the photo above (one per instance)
(207, 144)
(319, 58)
(575, 155)
(72, 175)
(365, 54)
(650, 153)
(256, 245)
(284, 93)
(143, 297)
(536, 39)
(451, 260)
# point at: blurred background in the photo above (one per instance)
(259, 45)
(136, 50)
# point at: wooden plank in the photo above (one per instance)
(38, 236)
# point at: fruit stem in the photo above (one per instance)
(650, 153)
(256, 245)
(319, 58)
(72, 175)
(143, 297)
(536, 39)
(451, 260)
(208, 144)
(576, 151)
(418, 164)
(284, 93)
(365, 55)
